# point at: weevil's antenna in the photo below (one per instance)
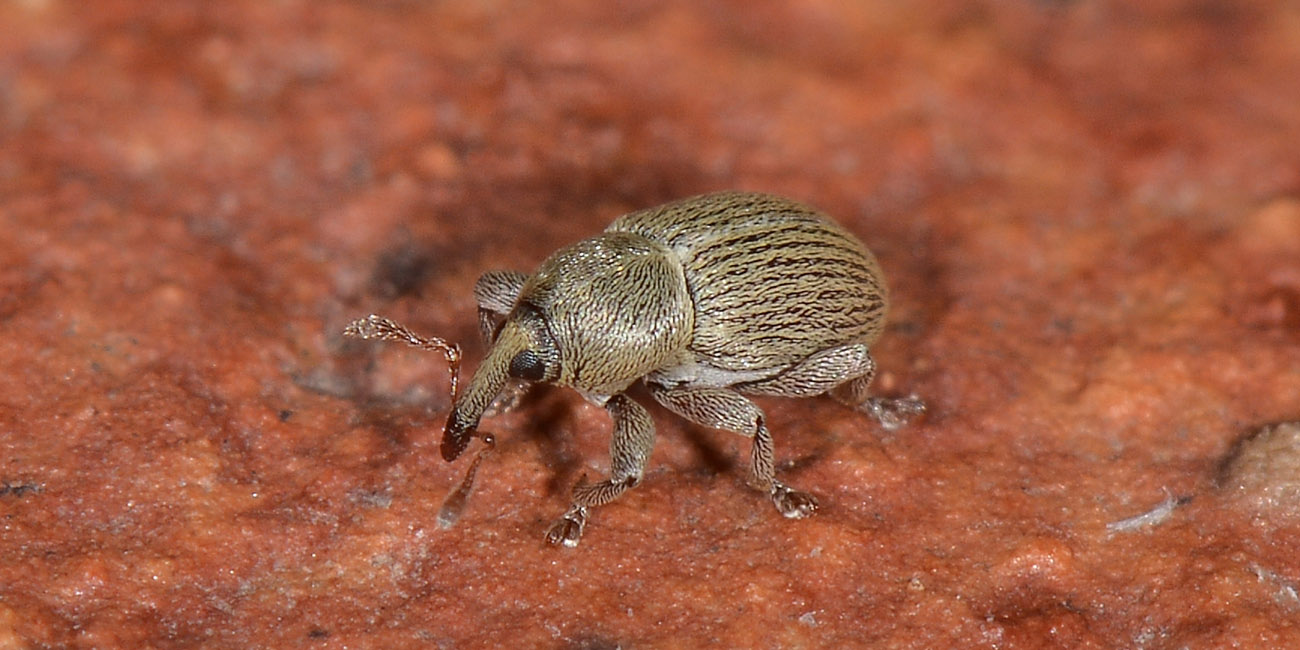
(378, 327)
(455, 502)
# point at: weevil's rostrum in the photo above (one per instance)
(706, 300)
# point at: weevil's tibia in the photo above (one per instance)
(454, 504)
(378, 327)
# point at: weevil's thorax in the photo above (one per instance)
(616, 307)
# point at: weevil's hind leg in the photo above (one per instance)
(630, 446)
(817, 374)
(496, 292)
(845, 372)
(720, 408)
(891, 412)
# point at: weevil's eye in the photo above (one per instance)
(527, 365)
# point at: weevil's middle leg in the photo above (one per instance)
(792, 503)
(630, 447)
(720, 408)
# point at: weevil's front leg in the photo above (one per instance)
(496, 293)
(720, 408)
(497, 290)
(630, 446)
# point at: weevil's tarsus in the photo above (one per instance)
(893, 412)
(377, 327)
(567, 530)
(454, 504)
(791, 503)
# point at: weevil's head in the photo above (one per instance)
(596, 316)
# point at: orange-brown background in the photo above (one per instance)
(1089, 212)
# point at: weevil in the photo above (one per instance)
(706, 300)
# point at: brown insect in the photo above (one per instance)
(705, 300)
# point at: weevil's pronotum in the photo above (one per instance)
(706, 300)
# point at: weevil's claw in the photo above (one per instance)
(792, 503)
(567, 530)
(893, 413)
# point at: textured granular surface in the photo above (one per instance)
(1089, 213)
(1263, 474)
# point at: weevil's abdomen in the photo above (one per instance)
(773, 280)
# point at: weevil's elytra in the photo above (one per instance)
(706, 300)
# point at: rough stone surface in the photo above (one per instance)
(1089, 212)
(1263, 474)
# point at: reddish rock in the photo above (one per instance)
(1263, 475)
(1087, 211)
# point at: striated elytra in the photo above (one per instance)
(705, 300)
